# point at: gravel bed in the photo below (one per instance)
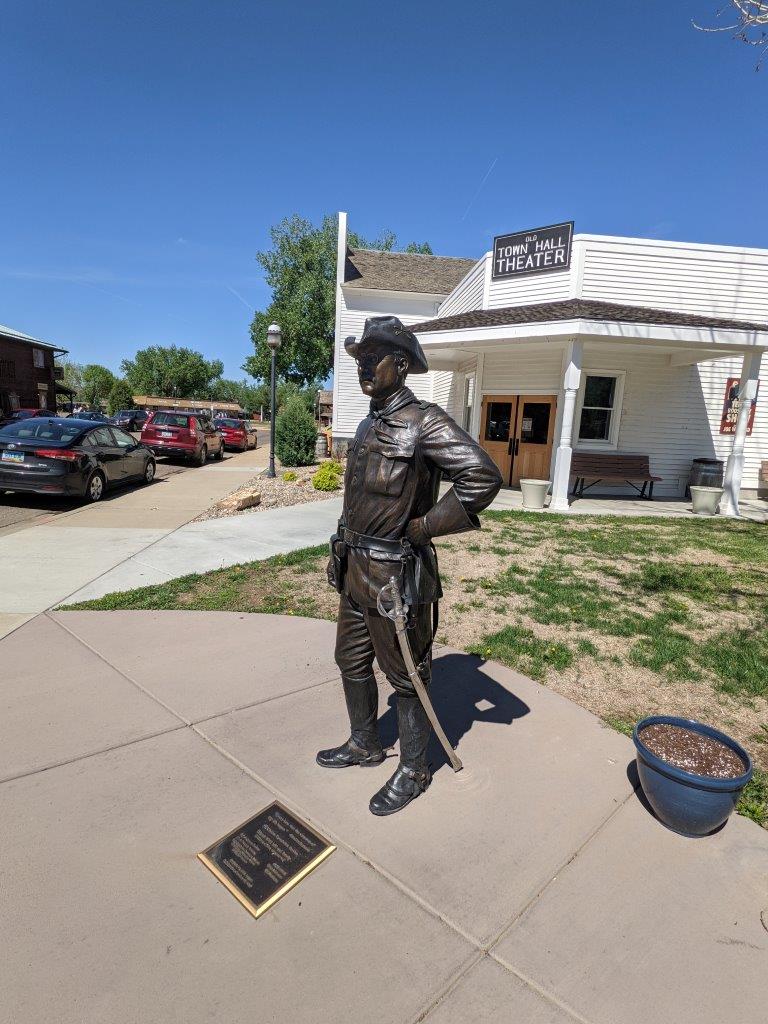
(275, 493)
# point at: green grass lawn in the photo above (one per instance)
(626, 616)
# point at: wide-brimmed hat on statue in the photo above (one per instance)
(388, 330)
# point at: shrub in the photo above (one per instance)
(120, 397)
(327, 478)
(295, 434)
(289, 476)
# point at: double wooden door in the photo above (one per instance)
(517, 432)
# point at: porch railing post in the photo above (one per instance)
(734, 469)
(477, 398)
(571, 382)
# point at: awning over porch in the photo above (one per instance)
(590, 314)
(567, 325)
(705, 337)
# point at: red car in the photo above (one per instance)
(184, 435)
(237, 433)
(25, 414)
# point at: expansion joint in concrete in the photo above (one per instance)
(265, 700)
(451, 987)
(556, 874)
(543, 992)
(92, 753)
(120, 672)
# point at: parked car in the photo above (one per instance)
(130, 419)
(93, 416)
(183, 435)
(25, 414)
(237, 433)
(70, 456)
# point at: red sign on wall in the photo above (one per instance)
(731, 407)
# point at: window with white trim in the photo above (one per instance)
(600, 409)
(38, 358)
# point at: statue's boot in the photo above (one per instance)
(363, 746)
(413, 775)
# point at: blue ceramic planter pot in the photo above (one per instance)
(694, 805)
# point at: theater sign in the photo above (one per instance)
(533, 252)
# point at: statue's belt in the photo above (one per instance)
(401, 551)
(396, 548)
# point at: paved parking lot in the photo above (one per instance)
(20, 510)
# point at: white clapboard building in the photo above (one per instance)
(556, 343)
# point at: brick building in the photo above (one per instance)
(28, 377)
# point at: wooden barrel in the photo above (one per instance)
(321, 447)
(706, 473)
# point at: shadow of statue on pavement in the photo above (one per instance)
(462, 694)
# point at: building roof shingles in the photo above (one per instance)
(404, 271)
(578, 309)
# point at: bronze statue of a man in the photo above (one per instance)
(391, 513)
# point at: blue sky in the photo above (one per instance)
(148, 147)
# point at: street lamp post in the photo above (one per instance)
(274, 338)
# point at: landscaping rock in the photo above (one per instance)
(246, 498)
(271, 492)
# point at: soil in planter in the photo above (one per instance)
(692, 751)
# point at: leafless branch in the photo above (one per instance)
(750, 27)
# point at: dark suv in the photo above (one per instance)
(130, 419)
(184, 435)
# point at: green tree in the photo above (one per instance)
(249, 396)
(73, 375)
(120, 397)
(419, 247)
(172, 372)
(97, 382)
(286, 390)
(300, 268)
(295, 434)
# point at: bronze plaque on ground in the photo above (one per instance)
(267, 855)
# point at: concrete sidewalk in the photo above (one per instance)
(42, 565)
(534, 886)
(754, 509)
(214, 543)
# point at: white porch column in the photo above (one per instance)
(750, 374)
(477, 402)
(571, 382)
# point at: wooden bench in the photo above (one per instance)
(612, 468)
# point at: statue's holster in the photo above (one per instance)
(337, 563)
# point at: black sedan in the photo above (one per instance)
(70, 457)
(93, 416)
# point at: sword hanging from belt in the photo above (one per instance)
(399, 616)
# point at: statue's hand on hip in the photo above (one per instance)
(416, 532)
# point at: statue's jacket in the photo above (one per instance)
(394, 468)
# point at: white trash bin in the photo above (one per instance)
(705, 500)
(534, 494)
